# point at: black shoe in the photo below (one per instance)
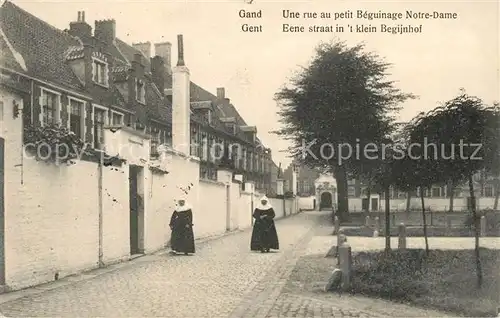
(186, 253)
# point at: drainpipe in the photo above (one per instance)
(100, 205)
(251, 205)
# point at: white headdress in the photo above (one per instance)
(266, 206)
(183, 208)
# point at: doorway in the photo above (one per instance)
(325, 201)
(136, 195)
(2, 212)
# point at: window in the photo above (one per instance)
(50, 102)
(77, 117)
(155, 138)
(212, 174)
(209, 117)
(203, 172)
(100, 72)
(140, 91)
(488, 191)
(351, 191)
(436, 192)
(99, 119)
(204, 145)
(306, 187)
(116, 119)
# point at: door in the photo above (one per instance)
(134, 211)
(364, 204)
(326, 201)
(2, 214)
(374, 204)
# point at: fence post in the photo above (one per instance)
(341, 240)
(376, 231)
(345, 264)
(448, 224)
(367, 221)
(336, 225)
(483, 225)
(402, 236)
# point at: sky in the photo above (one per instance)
(434, 64)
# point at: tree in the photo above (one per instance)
(491, 145)
(466, 122)
(422, 161)
(343, 99)
(384, 176)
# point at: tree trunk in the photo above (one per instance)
(479, 271)
(387, 220)
(452, 195)
(497, 193)
(424, 221)
(368, 195)
(342, 192)
(408, 201)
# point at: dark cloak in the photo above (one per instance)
(264, 235)
(182, 239)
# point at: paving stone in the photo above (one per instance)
(223, 279)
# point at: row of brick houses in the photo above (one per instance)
(146, 130)
(95, 79)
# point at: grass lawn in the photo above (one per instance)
(445, 280)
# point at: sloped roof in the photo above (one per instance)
(7, 57)
(47, 58)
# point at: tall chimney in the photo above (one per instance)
(80, 28)
(164, 50)
(180, 50)
(181, 119)
(105, 30)
(221, 93)
(158, 72)
(144, 48)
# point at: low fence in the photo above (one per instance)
(414, 218)
(438, 223)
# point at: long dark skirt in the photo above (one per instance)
(264, 236)
(182, 239)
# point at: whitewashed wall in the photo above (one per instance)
(52, 212)
(306, 203)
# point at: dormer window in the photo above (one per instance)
(140, 91)
(100, 72)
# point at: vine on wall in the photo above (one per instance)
(54, 143)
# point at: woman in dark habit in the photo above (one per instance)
(264, 235)
(181, 224)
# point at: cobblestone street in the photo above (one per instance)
(223, 279)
